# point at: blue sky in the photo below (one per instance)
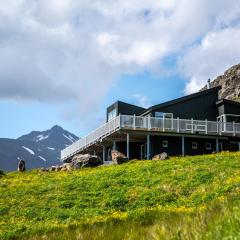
(22, 117)
(63, 62)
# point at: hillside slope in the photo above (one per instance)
(230, 82)
(182, 198)
(38, 148)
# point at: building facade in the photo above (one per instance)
(199, 123)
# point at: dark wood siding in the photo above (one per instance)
(124, 109)
(201, 108)
(174, 145)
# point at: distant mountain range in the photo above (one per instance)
(38, 149)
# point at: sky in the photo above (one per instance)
(64, 61)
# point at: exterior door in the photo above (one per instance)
(109, 156)
(220, 147)
(144, 151)
(221, 123)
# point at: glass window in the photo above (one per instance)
(233, 118)
(165, 144)
(159, 114)
(194, 145)
(208, 146)
(112, 114)
(163, 115)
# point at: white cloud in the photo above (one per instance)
(72, 51)
(217, 52)
(142, 100)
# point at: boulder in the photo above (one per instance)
(118, 157)
(85, 160)
(21, 166)
(52, 169)
(44, 169)
(68, 166)
(161, 156)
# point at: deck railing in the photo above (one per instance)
(172, 125)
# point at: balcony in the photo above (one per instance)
(152, 124)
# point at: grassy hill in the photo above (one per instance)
(182, 198)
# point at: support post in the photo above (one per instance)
(114, 145)
(134, 121)
(163, 123)
(94, 153)
(183, 146)
(178, 125)
(128, 145)
(104, 152)
(206, 126)
(192, 125)
(217, 146)
(149, 122)
(234, 129)
(148, 146)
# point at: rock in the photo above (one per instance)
(161, 156)
(118, 157)
(230, 83)
(68, 166)
(21, 166)
(85, 160)
(52, 168)
(58, 168)
(44, 169)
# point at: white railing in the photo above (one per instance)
(179, 125)
(148, 123)
(93, 137)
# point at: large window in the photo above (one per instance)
(163, 115)
(112, 114)
(233, 118)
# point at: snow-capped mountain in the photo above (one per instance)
(38, 149)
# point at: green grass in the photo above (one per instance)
(182, 198)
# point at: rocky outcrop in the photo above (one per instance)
(21, 166)
(86, 160)
(230, 83)
(118, 157)
(77, 162)
(161, 156)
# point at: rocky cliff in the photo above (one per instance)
(230, 82)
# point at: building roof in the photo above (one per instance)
(132, 105)
(181, 99)
(223, 101)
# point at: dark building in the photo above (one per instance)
(199, 123)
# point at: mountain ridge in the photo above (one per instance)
(37, 148)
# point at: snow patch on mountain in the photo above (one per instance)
(69, 137)
(51, 148)
(42, 158)
(41, 137)
(29, 150)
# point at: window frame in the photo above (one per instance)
(196, 145)
(165, 144)
(112, 114)
(207, 146)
